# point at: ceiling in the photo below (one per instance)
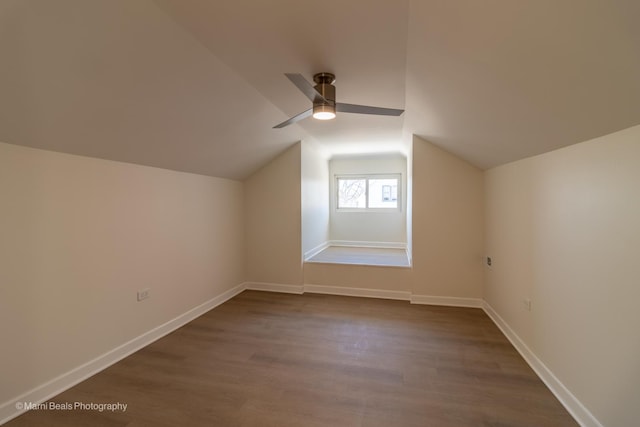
(197, 85)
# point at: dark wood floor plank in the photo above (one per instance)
(266, 359)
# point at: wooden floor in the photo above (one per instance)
(267, 359)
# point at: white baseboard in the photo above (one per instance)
(274, 287)
(365, 244)
(315, 251)
(568, 400)
(357, 292)
(446, 301)
(365, 292)
(67, 380)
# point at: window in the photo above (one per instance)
(367, 192)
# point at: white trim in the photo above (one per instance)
(274, 287)
(365, 244)
(315, 251)
(357, 292)
(446, 301)
(571, 403)
(67, 380)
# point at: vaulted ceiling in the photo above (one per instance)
(196, 85)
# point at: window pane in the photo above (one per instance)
(383, 193)
(351, 193)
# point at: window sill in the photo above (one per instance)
(381, 257)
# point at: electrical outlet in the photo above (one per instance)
(527, 304)
(143, 294)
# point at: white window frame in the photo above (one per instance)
(367, 177)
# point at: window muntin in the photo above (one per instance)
(368, 192)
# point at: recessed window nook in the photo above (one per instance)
(365, 206)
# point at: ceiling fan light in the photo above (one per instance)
(324, 115)
(324, 112)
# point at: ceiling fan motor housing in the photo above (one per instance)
(324, 86)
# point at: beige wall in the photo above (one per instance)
(314, 197)
(273, 221)
(563, 229)
(358, 276)
(447, 224)
(79, 236)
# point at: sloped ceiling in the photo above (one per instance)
(499, 80)
(197, 85)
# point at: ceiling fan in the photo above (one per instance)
(323, 96)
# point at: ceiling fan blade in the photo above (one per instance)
(305, 87)
(365, 109)
(295, 118)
